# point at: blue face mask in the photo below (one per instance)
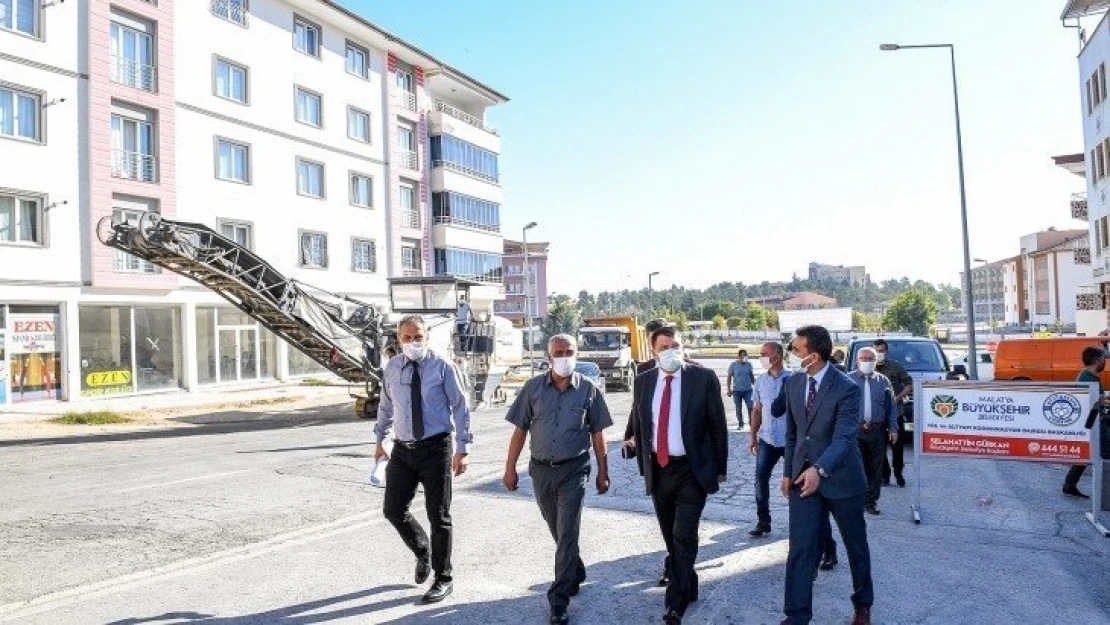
(670, 360)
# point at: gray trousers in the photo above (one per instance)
(560, 491)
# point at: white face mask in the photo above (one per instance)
(765, 362)
(743, 359)
(880, 357)
(797, 362)
(867, 367)
(670, 360)
(563, 366)
(414, 350)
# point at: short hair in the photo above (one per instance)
(881, 343)
(818, 340)
(561, 338)
(1091, 354)
(412, 320)
(664, 331)
(742, 352)
(869, 350)
(654, 325)
(776, 346)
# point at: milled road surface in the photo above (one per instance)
(265, 516)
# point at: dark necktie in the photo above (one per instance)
(812, 396)
(417, 402)
(663, 438)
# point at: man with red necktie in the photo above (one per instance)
(681, 439)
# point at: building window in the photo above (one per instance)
(480, 266)
(309, 108)
(240, 232)
(362, 191)
(310, 178)
(306, 37)
(358, 61)
(132, 54)
(314, 250)
(111, 334)
(22, 16)
(409, 207)
(462, 210)
(19, 114)
(231, 81)
(231, 10)
(406, 87)
(406, 146)
(1100, 152)
(364, 256)
(20, 220)
(124, 262)
(410, 258)
(133, 149)
(1096, 88)
(232, 161)
(466, 158)
(358, 125)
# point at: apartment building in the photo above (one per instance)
(518, 296)
(855, 276)
(294, 127)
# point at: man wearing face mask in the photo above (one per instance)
(824, 475)
(902, 384)
(878, 423)
(681, 437)
(423, 401)
(768, 435)
(565, 415)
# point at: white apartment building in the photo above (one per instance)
(292, 126)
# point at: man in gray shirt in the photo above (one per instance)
(565, 415)
(423, 400)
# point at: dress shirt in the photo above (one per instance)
(674, 432)
(443, 396)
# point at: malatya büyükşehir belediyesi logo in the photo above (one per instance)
(944, 406)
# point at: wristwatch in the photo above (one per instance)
(820, 471)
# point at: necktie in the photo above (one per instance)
(663, 437)
(867, 399)
(812, 396)
(417, 402)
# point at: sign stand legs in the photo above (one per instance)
(915, 508)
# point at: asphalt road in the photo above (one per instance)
(265, 516)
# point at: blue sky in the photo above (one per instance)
(736, 140)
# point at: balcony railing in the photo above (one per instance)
(408, 159)
(456, 221)
(466, 171)
(1079, 206)
(410, 273)
(231, 10)
(1089, 298)
(461, 115)
(410, 219)
(134, 166)
(407, 100)
(133, 74)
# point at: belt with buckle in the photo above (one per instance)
(555, 463)
(866, 425)
(424, 442)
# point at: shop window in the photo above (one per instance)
(30, 358)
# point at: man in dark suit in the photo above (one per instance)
(681, 439)
(824, 474)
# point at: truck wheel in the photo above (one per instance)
(366, 409)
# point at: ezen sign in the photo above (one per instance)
(33, 333)
(1021, 421)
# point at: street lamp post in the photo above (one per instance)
(528, 299)
(969, 298)
(651, 298)
(990, 298)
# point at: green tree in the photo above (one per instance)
(866, 322)
(771, 318)
(719, 322)
(735, 323)
(755, 318)
(562, 317)
(679, 319)
(719, 308)
(913, 311)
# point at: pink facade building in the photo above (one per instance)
(517, 297)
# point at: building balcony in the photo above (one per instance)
(463, 116)
(406, 100)
(408, 159)
(1089, 298)
(134, 74)
(449, 220)
(449, 235)
(134, 166)
(410, 219)
(1079, 206)
(410, 273)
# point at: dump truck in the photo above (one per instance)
(616, 345)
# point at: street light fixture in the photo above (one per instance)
(528, 299)
(651, 301)
(969, 298)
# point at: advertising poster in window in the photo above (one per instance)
(34, 362)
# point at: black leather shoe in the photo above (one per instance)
(901, 481)
(872, 509)
(665, 579)
(577, 585)
(672, 618)
(760, 530)
(423, 570)
(438, 592)
(1072, 491)
(559, 616)
(829, 562)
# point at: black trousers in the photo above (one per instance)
(428, 465)
(808, 519)
(560, 492)
(897, 453)
(679, 500)
(872, 446)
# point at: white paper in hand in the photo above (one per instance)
(377, 473)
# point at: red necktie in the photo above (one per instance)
(665, 424)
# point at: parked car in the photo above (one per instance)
(1045, 360)
(591, 372)
(922, 358)
(985, 364)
